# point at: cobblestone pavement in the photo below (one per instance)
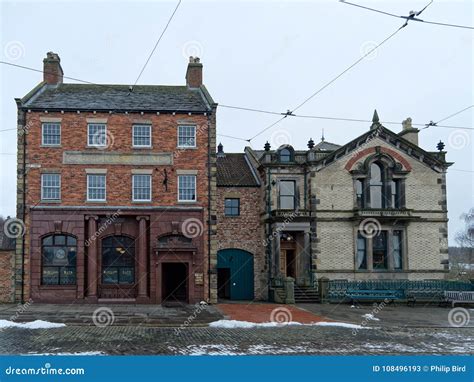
(205, 340)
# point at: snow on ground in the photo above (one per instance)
(66, 353)
(38, 324)
(233, 324)
(370, 317)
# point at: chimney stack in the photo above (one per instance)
(194, 73)
(52, 71)
(409, 132)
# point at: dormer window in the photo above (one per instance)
(285, 155)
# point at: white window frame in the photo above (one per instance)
(42, 186)
(195, 188)
(105, 188)
(195, 138)
(133, 188)
(89, 144)
(133, 134)
(42, 134)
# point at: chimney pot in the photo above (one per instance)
(52, 70)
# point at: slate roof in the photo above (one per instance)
(326, 146)
(119, 97)
(233, 170)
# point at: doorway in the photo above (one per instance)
(174, 282)
(223, 283)
(290, 264)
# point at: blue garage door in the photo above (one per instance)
(240, 266)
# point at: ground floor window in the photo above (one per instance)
(118, 260)
(382, 251)
(58, 255)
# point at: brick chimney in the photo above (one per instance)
(194, 73)
(52, 71)
(409, 132)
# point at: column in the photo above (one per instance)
(91, 290)
(142, 257)
(276, 253)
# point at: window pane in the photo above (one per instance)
(187, 188)
(287, 202)
(96, 187)
(67, 275)
(126, 275)
(118, 260)
(232, 207)
(50, 276)
(51, 134)
(285, 155)
(50, 186)
(397, 249)
(97, 135)
(361, 253)
(186, 136)
(379, 250)
(142, 135)
(110, 276)
(141, 187)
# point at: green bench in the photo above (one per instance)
(374, 294)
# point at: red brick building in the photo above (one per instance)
(241, 266)
(116, 189)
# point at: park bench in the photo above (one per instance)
(459, 297)
(427, 296)
(374, 294)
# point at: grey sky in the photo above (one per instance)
(269, 55)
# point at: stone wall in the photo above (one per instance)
(6, 276)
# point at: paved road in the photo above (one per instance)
(205, 340)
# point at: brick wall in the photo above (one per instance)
(6, 275)
(245, 231)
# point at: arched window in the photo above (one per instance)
(58, 260)
(376, 184)
(285, 155)
(118, 260)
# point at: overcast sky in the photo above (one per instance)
(266, 55)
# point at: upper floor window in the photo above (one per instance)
(395, 201)
(376, 184)
(51, 134)
(287, 195)
(186, 188)
(141, 135)
(232, 207)
(141, 185)
(285, 155)
(97, 134)
(96, 188)
(186, 136)
(50, 186)
(58, 260)
(360, 193)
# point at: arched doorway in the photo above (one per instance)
(235, 274)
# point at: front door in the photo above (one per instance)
(288, 263)
(174, 286)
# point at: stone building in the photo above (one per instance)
(116, 188)
(373, 208)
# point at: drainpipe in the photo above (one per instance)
(209, 176)
(269, 251)
(23, 213)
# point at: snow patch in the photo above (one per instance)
(371, 317)
(232, 324)
(342, 325)
(38, 324)
(76, 353)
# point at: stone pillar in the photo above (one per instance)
(306, 260)
(289, 285)
(142, 257)
(276, 254)
(92, 277)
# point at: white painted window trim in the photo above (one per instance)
(133, 188)
(195, 188)
(105, 188)
(42, 134)
(42, 185)
(88, 134)
(133, 135)
(195, 136)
